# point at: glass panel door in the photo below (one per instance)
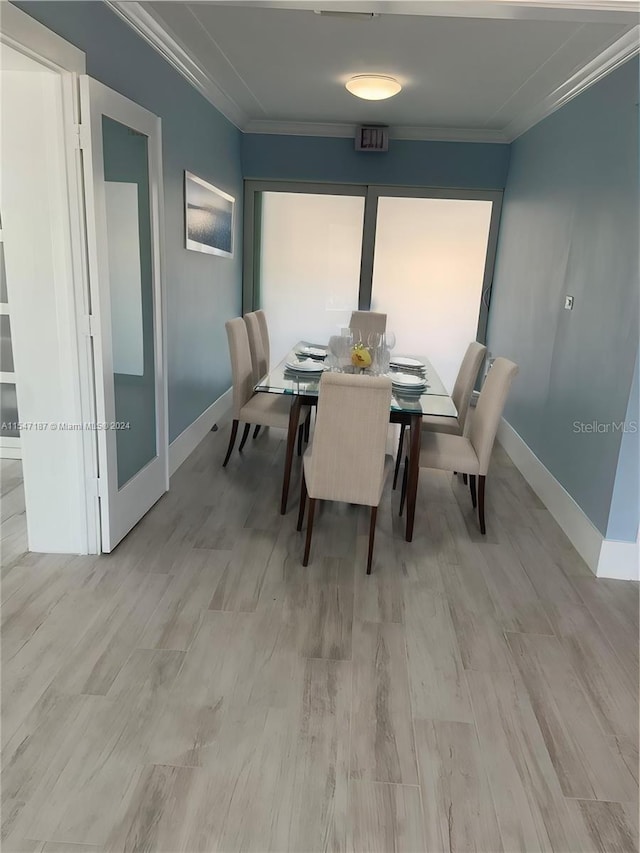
(123, 185)
(429, 273)
(309, 266)
(126, 185)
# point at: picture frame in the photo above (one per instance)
(209, 217)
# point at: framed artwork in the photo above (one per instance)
(209, 217)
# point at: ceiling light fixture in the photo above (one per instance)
(373, 87)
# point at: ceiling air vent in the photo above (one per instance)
(372, 138)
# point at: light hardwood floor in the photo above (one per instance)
(199, 690)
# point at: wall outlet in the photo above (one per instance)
(568, 303)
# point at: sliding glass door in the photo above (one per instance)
(307, 263)
(313, 253)
(428, 274)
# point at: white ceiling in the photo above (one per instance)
(279, 69)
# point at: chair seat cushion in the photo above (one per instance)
(448, 453)
(438, 423)
(270, 410)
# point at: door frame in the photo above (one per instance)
(31, 38)
(371, 194)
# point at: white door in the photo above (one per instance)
(121, 145)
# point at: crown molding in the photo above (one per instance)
(584, 11)
(617, 54)
(335, 129)
(156, 33)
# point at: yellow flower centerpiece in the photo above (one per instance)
(360, 356)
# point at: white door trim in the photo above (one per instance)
(31, 38)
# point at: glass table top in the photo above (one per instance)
(434, 400)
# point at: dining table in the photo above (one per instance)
(406, 409)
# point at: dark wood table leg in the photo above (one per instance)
(415, 428)
(294, 418)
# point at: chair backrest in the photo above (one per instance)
(466, 379)
(241, 368)
(264, 328)
(486, 417)
(349, 440)
(363, 322)
(256, 346)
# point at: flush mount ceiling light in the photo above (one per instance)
(373, 87)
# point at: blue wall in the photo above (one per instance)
(570, 226)
(407, 163)
(623, 518)
(203, 291)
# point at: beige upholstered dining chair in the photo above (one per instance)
(261, 409)
(461, 396)
(264, 329)
(364, 322)
(256, 346)
(346, 460)
(471, 453)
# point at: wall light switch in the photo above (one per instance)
(568, 303)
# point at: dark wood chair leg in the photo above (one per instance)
(372, 536)
(464, 479)
(403, 491)
(256, 431)
(472, 489)
(399, 455)
(307, 544)
(245, 436)
(300, 438)
(232, 441)
(481, 484)
(303, 501)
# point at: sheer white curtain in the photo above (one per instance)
(427, 275)
(309, 265)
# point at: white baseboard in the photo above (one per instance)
(619, 560)
(184, 445)
(586, 538)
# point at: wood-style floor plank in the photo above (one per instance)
(319, 817)
(156, 817)
(606, 827)
(199, 690)
(175, 621)
(241, 581)
(382, 747)
(458, 809)
(385, 818)
(596, 665)
(586, 766)
(531, 810)
(436, 674)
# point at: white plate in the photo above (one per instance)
(315, 351)
(306, 366)
(406, 380)
(406, 362)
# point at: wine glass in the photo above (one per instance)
(335, 352)
(373, 339)
(390, 340)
